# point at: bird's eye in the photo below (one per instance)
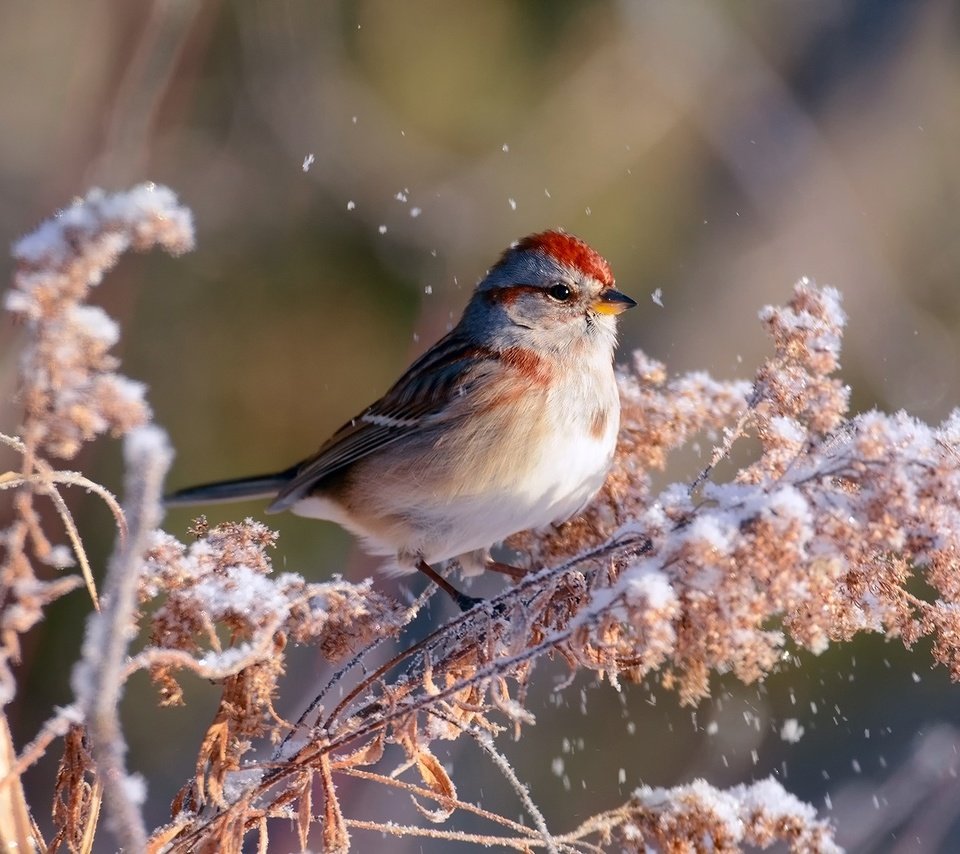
(561, 293)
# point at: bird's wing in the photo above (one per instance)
(436, 388)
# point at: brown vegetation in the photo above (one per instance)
(814, 539)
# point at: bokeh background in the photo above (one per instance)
(716, 151)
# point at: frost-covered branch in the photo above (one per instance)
(69, 385)
(70, 389)
(99, 677)
(71, 393)
(699, 817)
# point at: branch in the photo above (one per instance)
(99, 676)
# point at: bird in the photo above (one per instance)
(508, 423)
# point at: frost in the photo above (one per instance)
(715, 531)
(791, 731)
(652, 586)
(225, 578)
(145, 442)
(75, 393)
(236, 784)
(135, 787)
(61, 557)
(94, 324)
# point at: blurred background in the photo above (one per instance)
(354, 168)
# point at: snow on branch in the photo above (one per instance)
(814, 540)
(70, 389)
(697, 815)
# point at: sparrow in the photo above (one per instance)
(508, 423)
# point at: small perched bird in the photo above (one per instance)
(509, 422)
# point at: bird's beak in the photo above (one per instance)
(612, 302)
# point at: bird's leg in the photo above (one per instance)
(464, 602)
(514, 572)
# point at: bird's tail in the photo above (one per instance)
(239, 489)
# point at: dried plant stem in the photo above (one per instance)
(74, 536)
(532, 583)
(99, 677)
(420, 792)
(43, 479)
(488, 671)
(524, 843)
(174, 658)
(52, 729)
(17, 829)
(722, 451)
(316, 705)
(503, 765)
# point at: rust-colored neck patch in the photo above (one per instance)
(527, 363)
